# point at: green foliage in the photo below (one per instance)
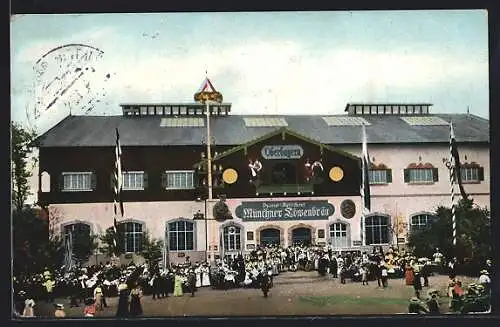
(108, 241)
(23, 143)
(84, 245)
(34, 247)
(473, 234)
(152, 249)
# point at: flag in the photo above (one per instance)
(117, 187)
(455, 162)
(365, 185)
(455, 176)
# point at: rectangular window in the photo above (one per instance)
(469, 174)
(388, 110)
(359, 110)
(179, 180)
(366, 110)
(402, 110)
(380, 110)
(378, 176)
(81, 181)
(410, 110)
(133, 180)
(417, 110)
(373, 110)
(421, 175)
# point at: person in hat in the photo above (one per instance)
(417, 283)
(122, 309)
(135, 301)
(416, 306)
(89, 309)
(432, 302)
(384, 275)
(98, 295)
(484, 279)
(59, 313)
(178, 281)
(29, 308)
(49, 290)
(191, 280)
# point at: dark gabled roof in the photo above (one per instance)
(276, 132)
(231, 130)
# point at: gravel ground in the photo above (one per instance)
(299, 293)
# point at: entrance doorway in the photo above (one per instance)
(302, 236)
(270, 236)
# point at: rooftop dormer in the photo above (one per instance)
(380, 109)
(174, 109)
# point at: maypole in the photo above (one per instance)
(207, 95)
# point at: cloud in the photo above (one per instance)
(271, 76)
(289, 77)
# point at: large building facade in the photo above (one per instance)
(276, 179)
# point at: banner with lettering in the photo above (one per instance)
(284, 210)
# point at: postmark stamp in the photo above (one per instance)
(67, 78)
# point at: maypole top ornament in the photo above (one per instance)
(207, 92)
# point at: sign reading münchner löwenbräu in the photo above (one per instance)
(284, 210)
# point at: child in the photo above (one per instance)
(89, 310)
(59, 313)
(364, 275)
(29, 311)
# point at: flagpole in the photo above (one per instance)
(452, 185)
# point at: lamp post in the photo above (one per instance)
(205, 95)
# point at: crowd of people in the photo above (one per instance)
(89, 287)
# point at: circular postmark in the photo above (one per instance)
(348, 209)
(67, 78)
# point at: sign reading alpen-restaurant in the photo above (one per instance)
(284, 210)
(282, 152)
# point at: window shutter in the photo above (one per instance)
(480, 173)
(93, 180)
(164, 180)
(61, 182)
(406, 174)
(145, 180)
(435, 174)
(388, 175)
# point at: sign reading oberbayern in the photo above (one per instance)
(282, 152)
(284, 210)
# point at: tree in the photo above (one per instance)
(473, 234)
(35, 247)
(108, 240)
(84, 245)
(23, 144)
(152, 249)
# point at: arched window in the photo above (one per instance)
(75, 231)
(421, 222)
(338, 235)
(181, 236)
(232, 238)
(132, 236)
(377, 230)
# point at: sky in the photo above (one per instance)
(262, 63)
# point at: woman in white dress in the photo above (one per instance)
(205, 276)
(198, 273)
